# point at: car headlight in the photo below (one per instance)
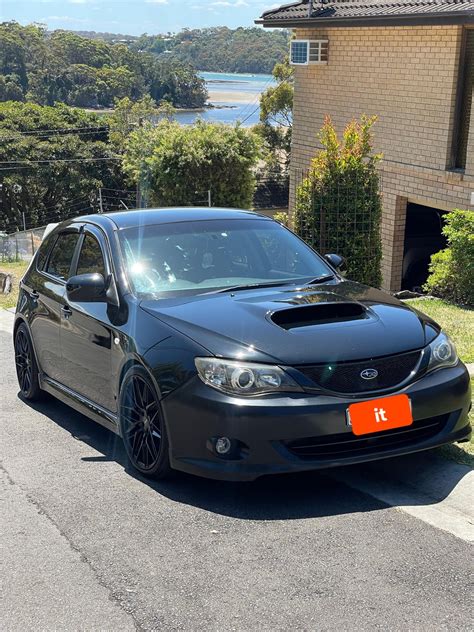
(244, 378)
(442, 352)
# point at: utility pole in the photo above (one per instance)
(138, 203)
(209, 198)
(101, 210)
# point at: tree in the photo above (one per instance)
(452, 269)
(54, 159)
(129, 116)
(276, 102)
(61, 66)
(338, 204)
(178, 165)
(170, 80)
(275, 127)
(10, 88)
(276, 116)
(221, 49)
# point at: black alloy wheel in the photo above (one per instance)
(26, 367)
(142, 426)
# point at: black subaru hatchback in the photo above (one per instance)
(216, 342)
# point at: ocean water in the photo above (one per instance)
(235, 97)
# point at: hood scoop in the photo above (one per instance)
(319, 314)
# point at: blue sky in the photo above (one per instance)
(134, 16)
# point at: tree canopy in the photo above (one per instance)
(52, 162)
(216, 49)
(178, 165)
(62, 66)
(338, 204)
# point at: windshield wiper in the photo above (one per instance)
(321, 279)
(236, 288)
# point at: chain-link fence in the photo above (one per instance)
(20, 246)
(342, 214)
(271, 194)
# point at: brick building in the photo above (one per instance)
(411, 64)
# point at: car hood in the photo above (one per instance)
(337, 321)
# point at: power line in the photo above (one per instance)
(119, 197)
(27, 163)
(119, 190)
(50, 137)
(257, 97)
(257, 108)
(79, 198)
(72, 130)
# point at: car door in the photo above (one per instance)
(46, 286)
(86, 332)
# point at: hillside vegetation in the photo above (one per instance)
(61, 66)
(218, 49)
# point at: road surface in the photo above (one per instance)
(87, 545)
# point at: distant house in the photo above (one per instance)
(411, 63)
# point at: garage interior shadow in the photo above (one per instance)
(277, 497)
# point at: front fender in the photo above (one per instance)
(171, 362)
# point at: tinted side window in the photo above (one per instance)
(43, 253)
(90, 257)
(61, 255)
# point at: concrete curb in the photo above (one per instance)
(424, 485)
(6, 319)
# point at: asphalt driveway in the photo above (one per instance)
(86, 544)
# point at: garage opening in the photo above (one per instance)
(423, 237)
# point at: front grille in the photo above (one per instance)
(347, 445)
(345, 377)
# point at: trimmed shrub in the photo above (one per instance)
(281, 217)
(178, 164)
(452, 270)
(338, 205)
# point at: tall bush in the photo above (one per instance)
(338, 204)
(178, 164)
(452, 270)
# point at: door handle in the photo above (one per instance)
(66, 311)
(34, 295)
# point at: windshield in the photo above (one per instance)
(198, 257)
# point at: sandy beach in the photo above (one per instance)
(221, 96)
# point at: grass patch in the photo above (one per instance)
(458, 323)
(461, 452)
(17, 269)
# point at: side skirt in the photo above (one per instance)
(80, 403)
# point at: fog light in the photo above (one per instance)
(223, 445)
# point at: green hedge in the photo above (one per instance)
(338, 206)
(452, 270)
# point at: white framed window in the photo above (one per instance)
(305, 52)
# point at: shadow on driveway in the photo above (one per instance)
(278, 497)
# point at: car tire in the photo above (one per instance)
(26, 367)
(142, 426)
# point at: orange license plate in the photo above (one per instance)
(382, 414)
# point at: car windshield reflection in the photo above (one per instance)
(206, 256)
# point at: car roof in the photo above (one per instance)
(149, 217)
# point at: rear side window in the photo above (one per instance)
(43, 253)
(61, 256)
(91, 259)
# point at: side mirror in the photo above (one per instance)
(86, 288)
(336, 261)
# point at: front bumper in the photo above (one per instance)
(298, 431)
